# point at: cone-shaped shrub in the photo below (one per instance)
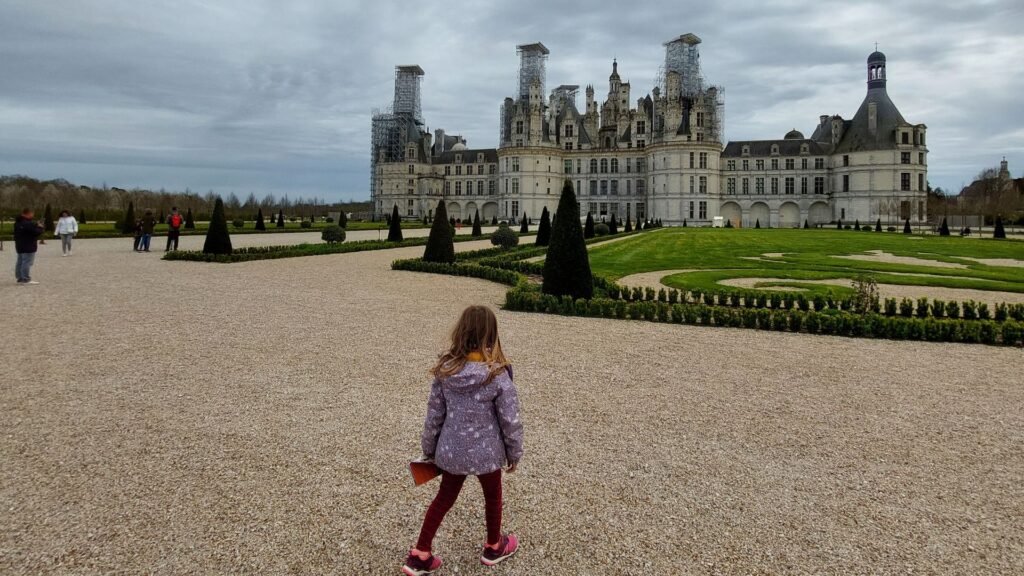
(440, 246)
(494, 220)
(629, 225)
(544, 229)
(567, 266)
(477, 230)
(878, 225)
(395, 229)
(757, 223)
(944, 228)
(260, 224)
(190, 220)
(856, 225)
(128, 225)
(588, 228)
(218, 240)
(839, 224)
(807, 225)
(48, 218)
(343, 220)
(639, 224)
(613, 225)
(684, 222)
(280, 218)
(906, 227)
(525, 226)
(81, 216)
(999, 231)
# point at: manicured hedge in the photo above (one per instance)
(831, 322)
(459, 269)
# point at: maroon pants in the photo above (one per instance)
(451, 485)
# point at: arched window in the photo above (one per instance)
(604, 165)
(593, 165)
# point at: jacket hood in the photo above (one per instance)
(473, 374)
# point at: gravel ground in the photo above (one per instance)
(886, 258)
(172, 418)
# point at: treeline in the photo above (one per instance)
(110, 203)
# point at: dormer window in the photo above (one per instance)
(746, 150)
(480, 160)
(458, 158)
(803, 149)
(568, 130)
(775, 149)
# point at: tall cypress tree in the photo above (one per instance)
(525, 227)
(395, 229)
(128, 226)
(190, 221)
(260, 224)
(477, 230)
(544, 228)
(567, 266)
(999, 232)
(944, 228)
(588, 228)
(218, 240)
(440, 244)
(878, 225)
(906, 227)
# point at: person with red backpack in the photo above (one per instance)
(174, 223)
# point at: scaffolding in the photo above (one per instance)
(392, 128)
(532, 61)
(682, 56)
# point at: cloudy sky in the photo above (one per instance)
(268, 96)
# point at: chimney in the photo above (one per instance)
(439, 140)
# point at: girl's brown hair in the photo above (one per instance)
(476, 331)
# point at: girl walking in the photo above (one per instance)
(472, 428)
(66, 229)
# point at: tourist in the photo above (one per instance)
(137, 234)
(174, 222)
(26, 237)
(66, 229)
(472, 428)
(148, 225)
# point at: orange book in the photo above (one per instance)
(423, 471)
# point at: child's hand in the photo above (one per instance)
(512, 468)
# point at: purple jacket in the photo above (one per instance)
(472, 427)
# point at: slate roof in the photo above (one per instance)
(468, 156)
(857, 137)
(764, 148)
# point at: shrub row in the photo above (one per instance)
(732, 298)
(834, 322)
(471, 270)
(967, 310)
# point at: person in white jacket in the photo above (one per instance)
(66, 228)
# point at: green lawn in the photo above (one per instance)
(721, 253)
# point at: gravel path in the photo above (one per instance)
(886, 258)
(172, 418)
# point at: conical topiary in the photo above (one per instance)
(477, 230)
(260, 224)
(878, 225)
(280, 218)
(629, 225)
(757, 223)
(544, 228)
(839, 224)
(613, 225)
(81, 216)
(48, 218)
(856, 225)
(525, 226)
(395, 226)
(128, 225)
(588, 228)
(190, 221)
(906, 227)
(440, 244)
(807, 224)
(944, 228)
(343, 220)
(567, 266)
(218, 240)
(999, 232)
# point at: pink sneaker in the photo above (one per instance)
(509, 545)
(414, 566)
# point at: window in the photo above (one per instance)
(519, 126)
(604, 165)
(640, 212)
(579, 166)
(920, 157)
(846, 160)
(759, 164)
(803, 163)
(593, 165)
(493, 169)
(819, 163)
(703, 159)
(615, 187)
(692, 179)
(790, 185)
(746, 185)
(515, 164)
(615, 165)
(691, 209)
(700, 119)
(803, 185)
(746, 164)
(515, 208)
(730, 186)
(479, 187)
(515, 186)
(447, 188)
(905, 138)
(629, 187)
(759, 186)
(920, 182)
(641, 164)
(579, 188)
(480, 170)
(703, 210)
(775, 163)
(490, 187)
(905, 181)
(458, 188)
(639, 188)
(730, 165)
(775, 149)
(904, 158)
(603, 209)
(846, 182)
(568, 130)
(640, 143)
(447, 170)
(604, 187)
(691, 159)
(641, 128)
(568, 145)
(412, 169)
(790, 164)
(567, 166)
(746, 150)
(458, 158)
(819, 184)
(703, 185)
(458, 170)
(775, 185)
(593, 187)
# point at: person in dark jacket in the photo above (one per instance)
(174, 222)
(137, 235)
(148, 224)
(26, 242)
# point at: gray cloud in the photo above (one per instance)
(264, 96)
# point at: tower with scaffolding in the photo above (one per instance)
(527, 110)
(398, 124)
(687, 105)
